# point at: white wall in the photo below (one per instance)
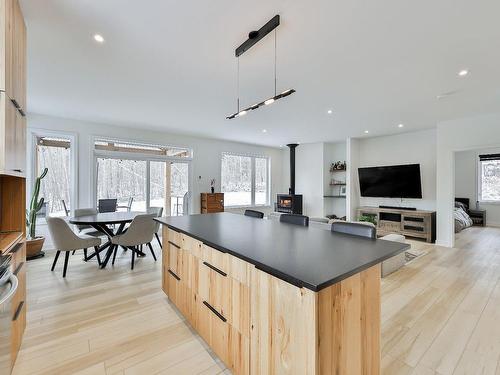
(333, 152)
(408, 148)
(206, 162)
(309, 177)
(458, 135)
(466, 182)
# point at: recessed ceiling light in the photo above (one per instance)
(330, 111)
(264, 131)
(98, 38)
(366, 131)
(463, 72)
(401, 126)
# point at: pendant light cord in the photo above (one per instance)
(238, 84)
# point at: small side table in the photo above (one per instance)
(478, 217)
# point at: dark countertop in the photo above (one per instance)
(303, 256)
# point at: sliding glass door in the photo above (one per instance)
(150, 183)
(122, 179)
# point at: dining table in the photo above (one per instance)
(105, 223)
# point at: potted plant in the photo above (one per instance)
(212, 185)
(34, 243)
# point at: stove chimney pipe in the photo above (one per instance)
(292, 147)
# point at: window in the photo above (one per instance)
(54, 153)
(150, 175)
(244, 180)
(489, 178)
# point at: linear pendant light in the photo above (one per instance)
(253, 38)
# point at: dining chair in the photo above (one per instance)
(86, 229)
(140, 232)
(65, 207)
(295, 219)
(65, 239)
(253, 213)
(355, 229)
(107, 205)
(157, 211)
(127, 206)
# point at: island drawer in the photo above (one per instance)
(192, 245)
(215, 288)
(217, 260)
(227, 343)
(173, 237)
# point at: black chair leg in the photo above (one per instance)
(133, 259)
(96, 248)
(74, 251)
(152, 252)
(85, 254)
(159, 242)
(114, 255)
(55, 260)
(66, 259)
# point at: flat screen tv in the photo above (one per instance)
(395, 181)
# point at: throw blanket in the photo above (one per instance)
(462, 219)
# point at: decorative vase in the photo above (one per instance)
(212, 189)
(34, 248)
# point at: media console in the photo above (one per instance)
(410, 223)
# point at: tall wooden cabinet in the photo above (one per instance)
(12, 156)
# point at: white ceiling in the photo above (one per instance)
(170, 65)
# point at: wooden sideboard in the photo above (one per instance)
(259, 324)
(12, 157)
(212, 203)
(410, 223)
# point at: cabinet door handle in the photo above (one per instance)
(22, 112)
(16, 248)
(18, 268)
(215, 269)
(18, 311)
(16, 104)
(174, 245)
(18, 170)
(174, 275)
(218, 314)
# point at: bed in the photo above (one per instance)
(461, 214)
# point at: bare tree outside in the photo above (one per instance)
(490, 180)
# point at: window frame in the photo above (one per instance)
(480, 183)
(253, 185)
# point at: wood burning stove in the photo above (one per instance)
(290, 203)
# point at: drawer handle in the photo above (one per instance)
(174, 275)
(18, 268)
(18, 311)
(215, 269)
(16, 104)
(174, 245)
(16, 248)
(219, 315)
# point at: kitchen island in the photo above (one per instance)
(275, 298)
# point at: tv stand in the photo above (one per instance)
(398, 208)
(410, 223)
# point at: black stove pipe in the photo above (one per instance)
(292, 147)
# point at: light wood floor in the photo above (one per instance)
(440, 315)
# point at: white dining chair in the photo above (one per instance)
(140, 232)
(65, 239)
